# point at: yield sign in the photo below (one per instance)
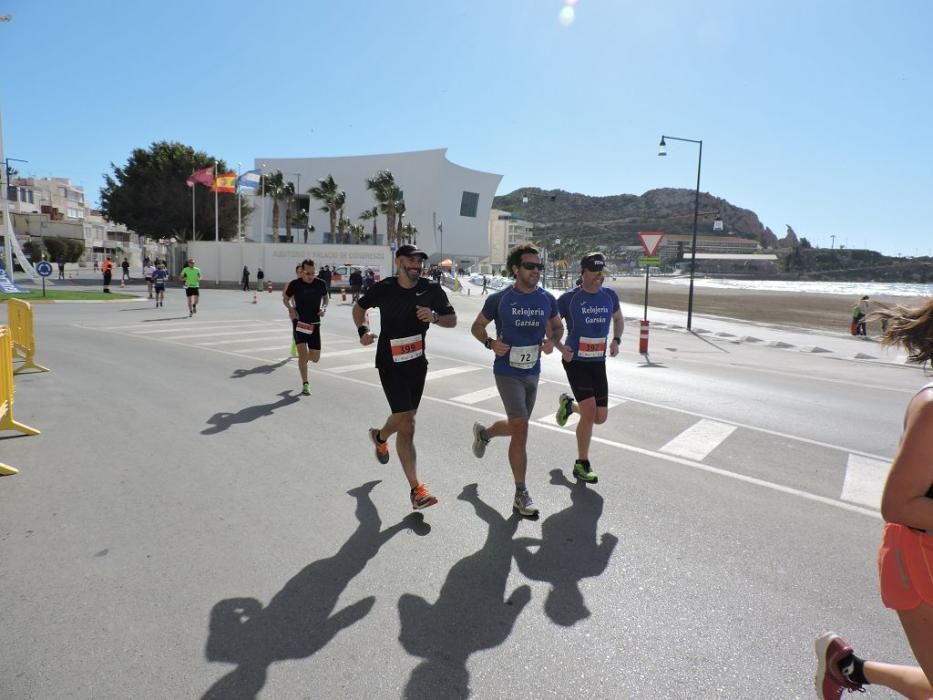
(650, 241)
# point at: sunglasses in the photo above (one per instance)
(532, 266)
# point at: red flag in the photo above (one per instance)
(204, 176)
(225, 182)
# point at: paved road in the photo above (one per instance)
(188, 526)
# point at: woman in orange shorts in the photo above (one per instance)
(905, 558)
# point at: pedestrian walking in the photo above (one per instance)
(484, 285)
(589, 311)
(260, 276)
(192, 279)
(306, 300)
(159, 275)
(61, 267)
(356, 283)
(107, 270)
(148, 269)
(906, 549)
(125, 266)
(408, 305)
(526, 320)
(245, 278)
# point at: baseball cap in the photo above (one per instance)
(410, 251)
(594, 262)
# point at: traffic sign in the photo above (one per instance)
(650, 241)
(44, 268)
(649, 260)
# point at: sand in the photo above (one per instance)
(831, 312)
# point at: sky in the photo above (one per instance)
(814, 114)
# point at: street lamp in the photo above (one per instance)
(662, 151)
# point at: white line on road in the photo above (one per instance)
(183, 324)
(449, 372)
(697, 441)
(255, 331)
(350, 368)
(551, 418)
(864, 480)
(339, 353)
(477, 396)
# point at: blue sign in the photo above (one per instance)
(392, 246)
(44, 268)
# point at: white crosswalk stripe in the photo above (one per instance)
(350, 368)
(864, 480)
(550, 418)
(697, 441)
(450, 372)
(477, 396)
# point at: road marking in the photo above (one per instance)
(574, 418)
(697, 441)
(449, 372)
(477, 396)
(186, 324)
(255, 331)
(350, 368)
(338, 353)
(864, 480)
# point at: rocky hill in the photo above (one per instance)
(616, 220)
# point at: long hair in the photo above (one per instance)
(911, 328)
(515, 255)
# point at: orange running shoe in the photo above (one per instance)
(382, 448)
(421, 498)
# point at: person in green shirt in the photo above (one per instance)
(192, 278)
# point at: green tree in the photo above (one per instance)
(373, 214)
(276, 188)
(388, 195)
(333, 198)
(149, 194)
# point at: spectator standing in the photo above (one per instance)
(245, 278)
(125, 265)
(107, 270)
(260, 276)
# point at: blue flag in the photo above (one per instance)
(249, 181)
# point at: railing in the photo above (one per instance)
(7, 390)
(23, 335)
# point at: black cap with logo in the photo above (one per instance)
(410, 251)
(594, 262)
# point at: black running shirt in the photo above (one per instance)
(307, 296)
(401, 336)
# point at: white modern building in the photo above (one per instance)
(447, 203)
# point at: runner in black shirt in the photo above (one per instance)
(408, 304)
(306, 300)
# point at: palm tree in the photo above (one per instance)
(275, 187)
(288, 194)
(333, 197)
(358, 231)
(400, 211)
(387, 194)
(373, 214)
(410, 234)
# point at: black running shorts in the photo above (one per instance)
(313, 340)
(403, 387)
(587, 381)
(192, 291)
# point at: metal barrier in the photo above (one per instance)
(6, 392)
(19, 313)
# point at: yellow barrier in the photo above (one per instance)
(24, 337)
(6, 392)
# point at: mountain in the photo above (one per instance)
(617, 219)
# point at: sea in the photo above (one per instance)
(857, 289)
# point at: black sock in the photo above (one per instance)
(853, 669)
(520, 486)
(379, 438)
(584, 462)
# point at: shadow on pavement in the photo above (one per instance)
(170, 318)
(300, 619)
(223, 421)
(261, 369)
(567, 552)
(470, 614)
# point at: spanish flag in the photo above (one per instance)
(225, 182)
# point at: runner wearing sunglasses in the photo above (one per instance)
(526, 320)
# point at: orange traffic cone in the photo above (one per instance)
(270, 287)
(254, 297)
(122, 284)
(343, 295)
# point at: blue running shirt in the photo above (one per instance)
(589, 319)
(521, 321)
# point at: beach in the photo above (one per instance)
(831, 312)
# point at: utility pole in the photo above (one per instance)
(832, 244)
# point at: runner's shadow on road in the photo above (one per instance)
(261, 369)
(567, 552)
(471, 613)
(300, 620)
(170, 318)
(223, 421)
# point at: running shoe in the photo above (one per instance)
(524, 505)
(582, 471)
(305, 389)
(421, 498)
(382, 448)
(479, 442)
(830, 682)
(564, 409)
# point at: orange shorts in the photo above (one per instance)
(905, 567)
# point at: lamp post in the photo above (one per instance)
(662, 151)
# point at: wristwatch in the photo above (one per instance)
(488, 342)
(617, 339)
(434, 316)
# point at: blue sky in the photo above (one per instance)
(813, 114)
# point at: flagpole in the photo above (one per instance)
(262, 213)
(239, 206)
(216, 225)
(193, 233)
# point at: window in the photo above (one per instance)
(469, 203)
